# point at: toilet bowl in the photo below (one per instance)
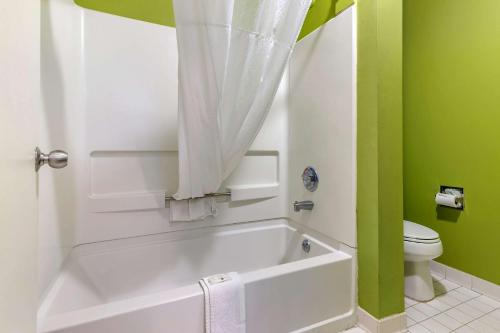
(421, 245)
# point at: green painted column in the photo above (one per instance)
(380, 156)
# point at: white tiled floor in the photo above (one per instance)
(455, 309)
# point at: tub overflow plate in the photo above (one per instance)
(306, 245)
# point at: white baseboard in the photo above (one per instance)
(391, 324)
(467, 280)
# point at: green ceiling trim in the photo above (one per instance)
(321, 12)
(162, 12)
(153, 11)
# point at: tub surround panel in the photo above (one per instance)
(322, 127)
(124, 122)
(118, 98)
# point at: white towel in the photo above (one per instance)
(192, 209)
(201, 208)
(224, 303)
(179, 210)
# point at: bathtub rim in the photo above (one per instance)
(119, 307)
(48, 323)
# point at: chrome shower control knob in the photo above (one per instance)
(306, 245)
(310, 179)
(56, 159)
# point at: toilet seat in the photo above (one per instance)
(422, 241)
(417, 233)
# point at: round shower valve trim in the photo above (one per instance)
(310, 179)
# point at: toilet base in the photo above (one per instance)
(418, 280)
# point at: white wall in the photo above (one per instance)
(323, 127)
(19, 108)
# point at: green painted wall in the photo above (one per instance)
(154, 11)
(161, 11)
(380, 157)
(321, 12)
(452, 126)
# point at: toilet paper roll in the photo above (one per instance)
(448, 200)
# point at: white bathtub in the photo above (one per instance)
(149, 284)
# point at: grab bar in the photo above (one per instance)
(216, 194)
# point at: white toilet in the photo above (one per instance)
(421, 244)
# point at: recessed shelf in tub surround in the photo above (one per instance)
(124, 181)
(251, 192)
(123, 202)
(157, 200)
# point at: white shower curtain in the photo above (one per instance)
(232, 55)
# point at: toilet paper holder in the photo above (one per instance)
(453, 197)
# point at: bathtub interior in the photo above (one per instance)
(116, 270)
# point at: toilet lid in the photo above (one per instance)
(415, 231)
